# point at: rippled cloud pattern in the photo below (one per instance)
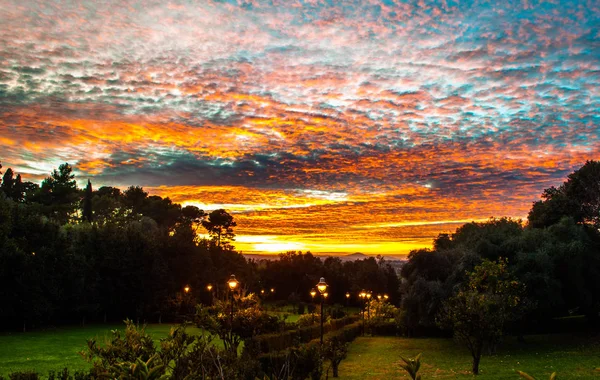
(334, 126)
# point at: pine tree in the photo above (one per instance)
(87, 203)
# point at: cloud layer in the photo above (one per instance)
(331, 126)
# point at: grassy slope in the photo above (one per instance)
(58, 348)
(377, 358)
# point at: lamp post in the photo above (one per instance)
(322, 287)
(385, 297)
(368, 305)
(347, 299)
(209, 288)
(233, 283)
(313, 293)
(363, 296)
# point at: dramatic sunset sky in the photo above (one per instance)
(330, 126)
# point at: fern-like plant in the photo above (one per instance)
(529, 377)
(412, 366)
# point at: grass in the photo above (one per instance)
(58, 348)
(572, 357)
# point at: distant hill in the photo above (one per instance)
(349, 257)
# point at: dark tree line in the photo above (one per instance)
(555, 255)
(294, 274)
(70, 254)
(73, 255)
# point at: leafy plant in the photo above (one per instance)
(529, 377)
(152, 369)
(412, 366)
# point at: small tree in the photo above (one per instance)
(335, 350)
(479, 311)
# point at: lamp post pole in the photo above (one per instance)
(233, 283)
(362, 296)
(209, 288)
(369, 305)
(322, 287)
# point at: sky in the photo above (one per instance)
(329, 126)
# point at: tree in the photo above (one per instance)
(59, 193)
(87, 203)
(220, 227)
(335, 350)
(578, 197)
(478, 313)
(12, 187)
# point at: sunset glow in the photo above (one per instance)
(334, 127)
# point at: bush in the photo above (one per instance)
(25, 375)
(307, 320)
(383, 328)
(301, 308)
(65, 375)
(296, 363)
(336, 311)
(266, 343)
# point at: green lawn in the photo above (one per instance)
(55, 349)
(378, 357)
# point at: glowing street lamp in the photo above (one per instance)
(379, 296)
(186, 288)
(232, 283)
(363, 296)
(313, 293)
(272, 290)
(209, 287)
(368, 295)
(322, 287)
(385, 296)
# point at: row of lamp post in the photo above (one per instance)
(322, 286)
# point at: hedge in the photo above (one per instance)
(383, 328)
(304, 360)
(266, 343)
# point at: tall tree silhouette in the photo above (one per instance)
(87, 203)
(578, 197)
(12, 187)
(220, 227)
(59, 192)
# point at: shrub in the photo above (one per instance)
(412, 366)
(301, 308)
(65, 375)
(25, 375)
(382, 328)
(529, 377)
(279, 341)
(307, 320)
(336, 311)
(296, 363)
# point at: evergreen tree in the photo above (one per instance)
(87, 203)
